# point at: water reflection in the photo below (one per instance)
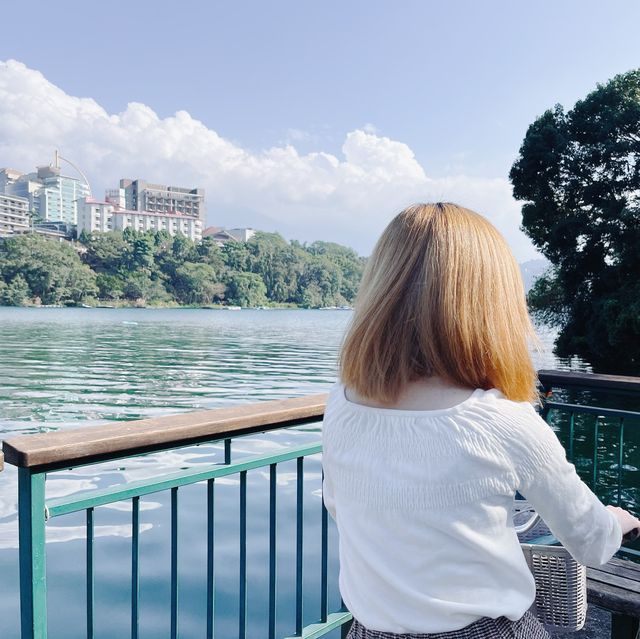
(62, 368)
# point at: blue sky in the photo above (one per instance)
(456, 83)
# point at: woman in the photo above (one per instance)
(431, 431)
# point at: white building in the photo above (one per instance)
(14, 215)
(102, 217)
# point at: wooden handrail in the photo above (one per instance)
(113, 441)
(60, 449)
(549, 378)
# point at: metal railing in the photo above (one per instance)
(40, 455)
(598, 422)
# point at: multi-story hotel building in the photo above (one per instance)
(51, 195)
(14, 215)
(94, 216)
(159, 198)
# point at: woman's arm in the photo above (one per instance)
(587, 529)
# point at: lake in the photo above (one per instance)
(62, 368)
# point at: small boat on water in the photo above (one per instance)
(232, 308)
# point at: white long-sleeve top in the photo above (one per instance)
(422, 500)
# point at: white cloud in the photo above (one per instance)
(309, 196)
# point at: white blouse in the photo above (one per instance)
(422, 500)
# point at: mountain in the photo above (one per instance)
(531, 270)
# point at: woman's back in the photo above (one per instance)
(420, 474)
(422, 501)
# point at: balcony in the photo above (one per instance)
(602, 438)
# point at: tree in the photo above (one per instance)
(245, 289)
(579, 175)
(196, 284)
(142, 252)
(15, 293)
(52, 270)
(278, 264)
(107, 252)
(110, 287)
(320, 283)
(138, 286)
(236, 256)
(211, 254)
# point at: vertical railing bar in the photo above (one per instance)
(174, 563)
(90, 579)
(595, 454)
(272, 550)
(345, 627)
(135, 569)
(210, 559)
(242, 609)
(324, 585)
(299, 542)
(572, 423)
(620, 459)
(227, 451)
(31, 539)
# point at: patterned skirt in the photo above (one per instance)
(527, 627)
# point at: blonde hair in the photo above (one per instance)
(441, 295)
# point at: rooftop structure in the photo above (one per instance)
(222, 235)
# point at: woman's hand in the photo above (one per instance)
(628, 522)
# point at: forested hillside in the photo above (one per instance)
(157, 269)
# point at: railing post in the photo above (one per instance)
(33, 578)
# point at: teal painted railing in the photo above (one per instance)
(40, 455)
(600, 423)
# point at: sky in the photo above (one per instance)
(319, 120)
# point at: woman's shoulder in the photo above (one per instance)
(518, 425)
(481, 404)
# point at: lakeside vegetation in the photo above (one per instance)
(153, 268)
(578, 174)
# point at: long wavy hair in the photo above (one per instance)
(441, 295)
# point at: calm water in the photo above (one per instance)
(61, 368)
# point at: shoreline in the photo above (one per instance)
(212, 307)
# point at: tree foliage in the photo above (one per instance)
(155, 268)
(51, 272)
(578, 174)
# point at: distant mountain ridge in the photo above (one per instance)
(531, 270)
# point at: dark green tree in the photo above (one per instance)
(108, 252)
(110, 287)
(578, 174)
(15, 293)
(245, 289)
(236, 256)
(209, 253)
(52, 270)
(278, 263)
(140, 287)
(196, 283)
